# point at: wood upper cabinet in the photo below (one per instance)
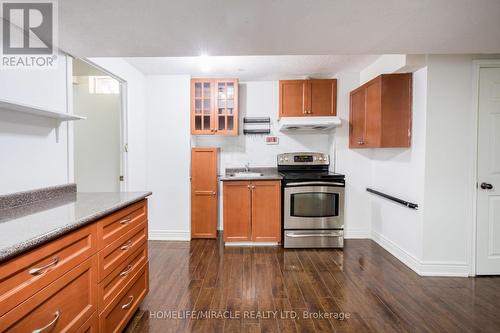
(204, 165)
(380, 112)
(214, 107)
(307, 98)
(252, 211)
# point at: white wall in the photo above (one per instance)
(97, 139)
(168, 156)
(136, 119)
(400, 172)
(30, 157)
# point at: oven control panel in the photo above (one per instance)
(303, 159)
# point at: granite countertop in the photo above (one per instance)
(28, 220)
(269, 173)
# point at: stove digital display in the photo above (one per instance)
(303, 158)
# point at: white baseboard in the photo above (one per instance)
(356, 234)
(422, 268)
(170, 235)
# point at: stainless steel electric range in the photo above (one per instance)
(313, 201)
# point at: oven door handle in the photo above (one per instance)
(315, 183)
(330, 234)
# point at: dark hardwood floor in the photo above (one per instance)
(364, 282)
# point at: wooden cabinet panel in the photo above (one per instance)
(380, 113)
(64, 305)
(266, 211)
(237, 211)
(323, 100)
(214, 107)
(116, 225)
(204, 191)
(116, 281)
(292, 99)
(46, 264)
(118, 251)
(118, 313)
(91, 325)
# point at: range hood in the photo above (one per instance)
(308, 124)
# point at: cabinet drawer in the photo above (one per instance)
(117, 224)
(114, 254)
(23, 276)
(91, 325)
(64, 305)
(121, 309)
(116, 281)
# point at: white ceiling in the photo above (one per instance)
(277, 27)
(253, 67)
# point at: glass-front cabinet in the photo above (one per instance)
(214, 106)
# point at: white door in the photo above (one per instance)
(488, 173)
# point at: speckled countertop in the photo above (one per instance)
(32, 223)
(269, 173)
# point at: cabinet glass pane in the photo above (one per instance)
(206, 122)
(230, 90)
(222, 123)
(197, 122)
(221, 90)
(197, 90)
(206, 89)
(222, 103)
(229, 111)
(221, 110)
(197, 105)
(206, 105)
(230, 121)
(230, 103)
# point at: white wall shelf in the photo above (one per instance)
(59, 117)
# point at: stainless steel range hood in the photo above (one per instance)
(308, 124)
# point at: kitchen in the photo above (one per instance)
(229, 215)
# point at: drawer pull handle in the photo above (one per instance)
(126, 306)
(125, 272)
(126, 246)
(125, 221)
(40, 270)
(49, 325)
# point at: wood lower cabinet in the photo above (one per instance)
(76, 282)
(214, 107)
(204, 192)
(252, 211)
(307, 98)
(380, 112)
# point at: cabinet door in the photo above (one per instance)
(226, 120)
(323, 97)
(202, 105)
(266, 211)
(357, 118)
(373, 114)
(292, 99)
(204, 192)
(237, 211)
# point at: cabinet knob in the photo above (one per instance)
(253, 186)
(361, 142)
(248, 186)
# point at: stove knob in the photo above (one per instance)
(281, 159)
(286, 159)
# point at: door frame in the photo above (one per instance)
(123, 120)
(476, 67)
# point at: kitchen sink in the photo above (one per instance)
(245, 174)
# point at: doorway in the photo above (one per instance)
(98, 141)
(488, 172)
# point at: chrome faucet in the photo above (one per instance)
(247, 167)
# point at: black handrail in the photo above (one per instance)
(390, 197)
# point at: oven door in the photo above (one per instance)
(314, 205)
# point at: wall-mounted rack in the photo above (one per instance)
(390, 197)
(58, 117)
(256, 125)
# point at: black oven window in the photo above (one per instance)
(314, 204)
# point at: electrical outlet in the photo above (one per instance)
(272, 140)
